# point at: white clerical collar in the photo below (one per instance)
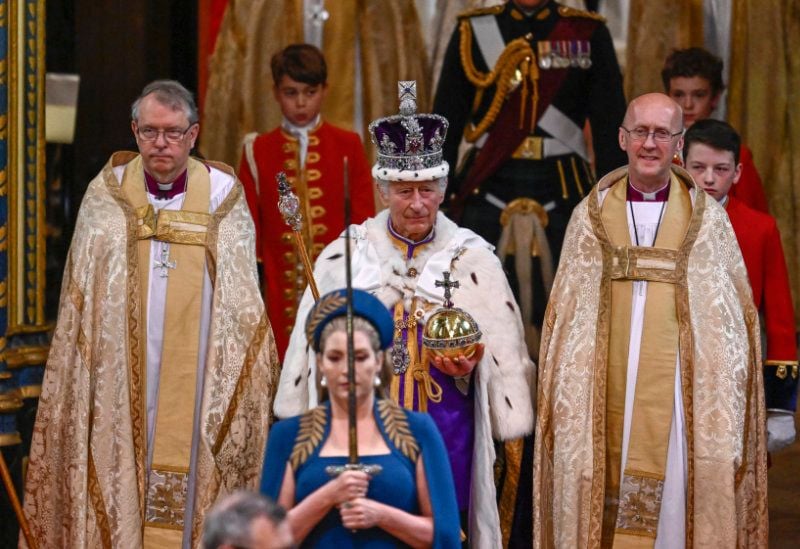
(636, 195)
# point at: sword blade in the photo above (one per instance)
(352, 431)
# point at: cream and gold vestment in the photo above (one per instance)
(705, 321)
(98, 476)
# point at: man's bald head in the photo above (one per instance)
(654, 100)
(651, 134)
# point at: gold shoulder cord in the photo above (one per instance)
(566, 11)
(517, 56)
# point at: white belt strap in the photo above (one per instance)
(489, 39)
(561, 127)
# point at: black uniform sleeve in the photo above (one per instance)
(454, 96)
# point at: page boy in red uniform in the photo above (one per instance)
(693, 78)
(711, 150)
(311, 152)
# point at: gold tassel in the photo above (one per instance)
(514, 55)
(534, 78)
(524, 92)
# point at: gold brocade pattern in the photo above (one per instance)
(82, 343)
(652, 411)
(213, 227)
(98, 505)
(173, 432)
(146, 221)
(635, 263)
(259, 339)
(640, 502)
(182, 227)
(721, 380)
(166, 498)
(137, 320)
(102, 275)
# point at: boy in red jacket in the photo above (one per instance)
(711, 150)
(311, 152)
(693, 78)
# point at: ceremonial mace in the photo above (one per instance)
(12, 496)
(353, 463)
(289, 206)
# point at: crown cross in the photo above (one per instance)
(407, 94)
(447, 284)
(414, 144)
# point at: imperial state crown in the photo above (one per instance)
(409, 144)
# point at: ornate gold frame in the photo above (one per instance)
(26, 169)
(23, 340)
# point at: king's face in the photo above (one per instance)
(413, 206)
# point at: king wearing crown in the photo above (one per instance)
(400, 256)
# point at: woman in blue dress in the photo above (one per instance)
(411, 502)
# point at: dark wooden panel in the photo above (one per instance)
(116, 47)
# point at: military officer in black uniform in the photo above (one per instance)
(519, 81)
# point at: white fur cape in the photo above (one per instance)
(505, 377)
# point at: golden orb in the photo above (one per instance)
(451, 332)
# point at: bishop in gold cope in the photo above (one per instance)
(651, 421)
(159, 384)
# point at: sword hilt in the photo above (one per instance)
(334, 471)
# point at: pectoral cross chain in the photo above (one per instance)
(164, 263)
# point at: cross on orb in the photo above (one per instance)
(447, 284)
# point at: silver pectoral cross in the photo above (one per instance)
(164, 263)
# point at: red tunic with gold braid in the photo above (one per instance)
(320, 188)
(760, 243)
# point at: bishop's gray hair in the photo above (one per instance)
(169, 93)
(230, 521)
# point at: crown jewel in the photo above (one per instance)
(450, 331)
(409, 144)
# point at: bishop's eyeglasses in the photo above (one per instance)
(659, 134)
(171, 135)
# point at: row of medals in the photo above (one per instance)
(563, 54)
